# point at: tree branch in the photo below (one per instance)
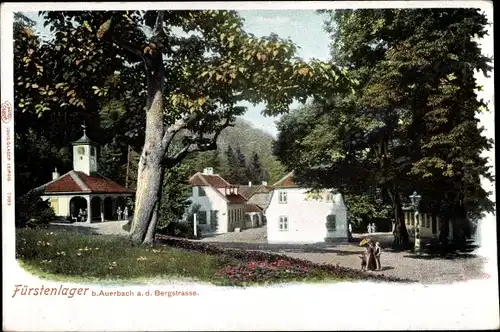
(127, 46)
(176, 127)
(197, 147)
(103, 33)
(158, 24)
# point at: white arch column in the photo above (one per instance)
(102, 209)
(88, 198)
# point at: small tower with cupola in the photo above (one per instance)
(85, 154)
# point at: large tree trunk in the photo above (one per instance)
(150, 234)
(400, 231)
(444, 230)
(150, 169)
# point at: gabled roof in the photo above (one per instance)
(252, 208)
(75, 182)
(217, 182)
(249, 191)
(286, 182)
(236, 199)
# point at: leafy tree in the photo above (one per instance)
(230, 171)
(275, 171)
(412, 117)
(176, 191)
(255, 171)
(111, 162)
(241, 167)
(190, 82)
(198, 162)
(364, 208)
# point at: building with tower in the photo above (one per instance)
(82, 194)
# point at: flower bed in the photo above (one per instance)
(268, 265)
(262, 271)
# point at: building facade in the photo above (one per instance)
(297, 215)
(82, 194)
(220, 207)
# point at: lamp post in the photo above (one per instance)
(415, 201)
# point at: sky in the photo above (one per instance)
(287, 24)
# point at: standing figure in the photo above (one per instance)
(378, 252)
(125, 213)
(363, 262)
(370, 254)
(374, 228)
(119, 213)
(369, 228)
(80, 215)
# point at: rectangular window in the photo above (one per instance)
(329, 197)
(331, 223)
(213, 216)
(201, 217)
(282, 197)
(201, 192)
(283, 223)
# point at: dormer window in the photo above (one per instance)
(329, 197)
(201, 192)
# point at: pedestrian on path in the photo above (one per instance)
(378, 252)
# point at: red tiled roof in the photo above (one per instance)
(252, 208)
(63, 184)
(287, 181)
(215, 181)
(247, 191)
(236, 199)
(78, 182)
(98, 183)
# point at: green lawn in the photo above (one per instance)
(98, 258)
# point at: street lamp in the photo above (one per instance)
(415, 201)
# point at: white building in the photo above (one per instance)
(296, 216)
(257, 196)
(83, 189)
(221, 207)
(430, 224)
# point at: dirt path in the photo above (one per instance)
(398, 264)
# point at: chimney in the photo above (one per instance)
(208, 171)
(55, 174)
(264, 183)
(249, 183)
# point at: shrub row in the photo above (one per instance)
(272, 258)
